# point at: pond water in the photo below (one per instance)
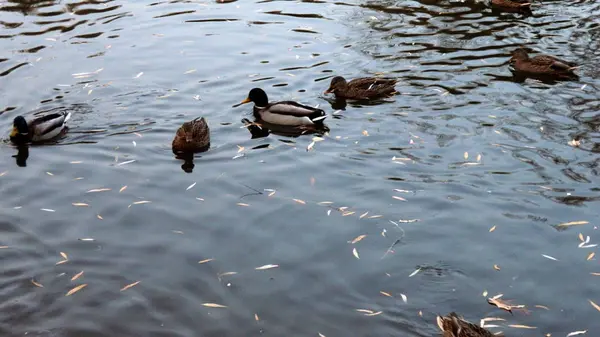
(458, 182)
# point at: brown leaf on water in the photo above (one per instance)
(398, 198)
(267, 266)
(365, 133)
(227, 273)
(99, 217)
(594, 305)
(272, 193)
(363, 215)
(374, 313)
(492, 229)
(242, 204)
(130, 285)
(204, 261)
(214, 305)
(80, 204)
(141, 202)
(591, 256)
(49, 173)
(36, 284)
(366, 311)
(3, 173)
(355, 253)
(348, 213)
(61, 262)
(502, 304)
(98, 190)
(358, 238)
(595, 274)
(375, 216)
(385, 294)
(420, 313)
(122, 188)
(581, 237)
(542, 307)
(521, 326)
(300, 201)
(256, 318)
(76, 289)
(64, 255)
(569, 224)
(496, 267)
(78, 275)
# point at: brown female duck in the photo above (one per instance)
(192, 136)
(513, 5)
(454, 326)
(361, 88)
(542, 65)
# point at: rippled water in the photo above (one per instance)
(465, 148)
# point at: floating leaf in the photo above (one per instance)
(385, 294)
(139, 75)
(485, 293)
(581, 237)
(398, 198)
(404, 299)
(122, 188)
(267, 266)
(496, 267)
(415, 272)
(76, 289)
(61, 262)
(595, 274)
(549, 257)
(492, 229)
(204, 261)
(64, 255)
(300, 201)
(130, 285)
(591, 256)
(521, 326)
(466, 155)
(575, 333)
(242, 204)
(542, 307)
(355, 253)
(374, 313)
(98, 190)
(321, 335)
(367, 311)
(358, 238)
(126, 162)
(80, 204)
(594, 305)
(213, 305)
(569, 224)
(36, 284)
(47, 210)
(78, 275)
(99, 217)
(142, 202)
(256, 318)
(191, 186)
(365, 133)
(363, 215)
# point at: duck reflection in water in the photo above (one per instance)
(260, 129)
(22, 155)
(192, 137)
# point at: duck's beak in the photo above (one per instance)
(247, 100)
(328, 91)
(14, 132)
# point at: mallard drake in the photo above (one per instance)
(192, 136)
(515, 5)
(361, 88)
(542, 65)
(454, 326)
(287, 113)
(39, 129)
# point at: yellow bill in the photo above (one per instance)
(14, 132)
(247, 100)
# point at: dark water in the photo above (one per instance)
(153, 65)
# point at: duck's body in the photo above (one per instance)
(454, 326)
(286, 113)
(515, 5)
(192, 136)
(362, 88)
(542, 65)
(39, 129)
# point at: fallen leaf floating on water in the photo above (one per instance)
(98, 190)
(575, 333)
(521, 326)
(61, 262)
(191, 186)
(374, 314)
(78, 275)
(321, 335)
(415, 272)
(3, 247)
(591, 256)
(122, 188)
(355, 253)
(504, 305)
(177, 232)
(142, 202)
(49, 173)
(130, 285)
(86, 239)
(595, 274)
(496, 267)
(139, 75)
(47, 210)
(99, 217)
(385, 294)
(478, 157)
(39, 285)
(398, 198)
(365, 133)
(256, 318)
(3, 173)
(549, 257)
(272, 193)
(126, 162)
(363, 215)
(267, 266)
(581, 237)
(240, 149)
(348, 213)
(572, 223)
(594, 305)
(80, 204)
(325, 203)
(214, 305)
(542, 307)
(358, 238)
(404, 299)
(204, 261)
(466, 155)
(485, 293)
(76, 289)
(492, 229)
(242, 204)
(375, 216)
(365, 311)
(300, 201)
(64, 255)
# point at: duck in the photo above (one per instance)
(39, 129)
(454, 326)
(542, 65)
(192, 136)
(515, 5)
(361, 88)
(284, 113)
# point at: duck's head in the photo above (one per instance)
(19, 127)
(337, 83)
(519, 54)
(258, 96)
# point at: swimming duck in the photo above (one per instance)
(542, 65)
(192, 136)
(361, 88)
(287, 113)
(454, 326)
(515, 5)
(39, 129)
